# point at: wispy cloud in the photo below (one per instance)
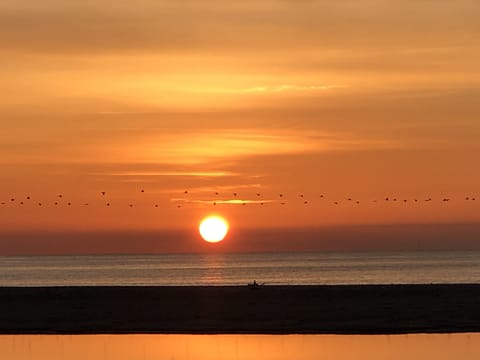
(173, 173)
(210, 146)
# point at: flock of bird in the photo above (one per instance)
(280, 198)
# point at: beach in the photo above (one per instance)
(348, 309)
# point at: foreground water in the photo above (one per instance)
(241, 347)
(238, 269)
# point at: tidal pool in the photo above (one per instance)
(241, 347)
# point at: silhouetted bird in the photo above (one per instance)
(349, 199)
(108, 204)
(12, 199)
(60, 195)
(185, 192)
(321, 196)
(281, 195)
(261, 203)
(69, 204)
(358, 202)
(404, 201)
(39, 204)
(244, 204)
(235, 194)
(394, 199)
(467, 198)
(258, 194)
(214, 203)
(386, 199)
(179, 206)
(282, 203)
(131, 205)
(21, 202)
(301, 195)
(142, 191)
(335, 202)
(156, 205)
(473, 199)
(86, 204)
(306, 202)
(103, 193)
(216, 192)
(55, 203)
(28, 197)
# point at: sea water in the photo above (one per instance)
(238, 269)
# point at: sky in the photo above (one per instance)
(332, 100)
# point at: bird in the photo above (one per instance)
(21, 202)
(282, 203)
(301, 195)
(131, 205)
(28, 197)
(55, 203)
(103, 193)
(235, 194)
(216, 193)
(179, 206)
(244, 204)
(60, 195)
(321, 196)
(281, 195)
(214, 203)
(39, 204)
(69, 204)
(358, 202)
(305, 202)
(108, 204)
(349, 199)
(386, 199)
(404, 201)
(156, 205)
(335, 202)
(142, 191)
(185, 192)
(258, 194)
(261, 203)
(12, 199)
(467, 198)
(86, 204)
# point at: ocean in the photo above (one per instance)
(239, 269)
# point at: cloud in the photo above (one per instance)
(222, 145)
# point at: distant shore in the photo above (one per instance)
(349, 309)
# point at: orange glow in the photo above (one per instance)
(333, 98)
(213, 229)
(241, 347)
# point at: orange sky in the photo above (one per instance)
(346, 99)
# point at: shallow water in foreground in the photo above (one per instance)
(241, 347)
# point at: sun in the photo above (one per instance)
(213, 229)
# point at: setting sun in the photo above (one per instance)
(213, 229)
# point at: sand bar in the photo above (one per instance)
(348, 309)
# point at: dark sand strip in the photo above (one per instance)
(268, 310)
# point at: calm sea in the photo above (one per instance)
(239, 269)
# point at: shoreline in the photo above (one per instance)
(292, 309)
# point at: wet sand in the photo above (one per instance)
(358, 309)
